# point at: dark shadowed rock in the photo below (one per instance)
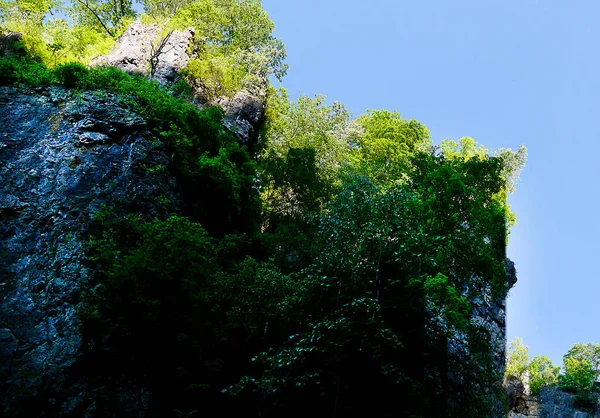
(9, 44)
(63, 157)
(514, 390)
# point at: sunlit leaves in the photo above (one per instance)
(517, 359)
(541, 373)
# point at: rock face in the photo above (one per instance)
(62, 158)
(243, 113)
(490, 314)
(140, 50)
(143, 50)
(515, 396)
(552, 403)
(555, 403)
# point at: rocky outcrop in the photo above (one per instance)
(9, 43)
(489, 313)
(556, 403)
(551, 403)
(63, 157)
(144, 50)
(519, 403)
(243, 113)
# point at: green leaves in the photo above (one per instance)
(542, 373)
(581, 370)
(517, 359)
(579, 375)
(387, 143)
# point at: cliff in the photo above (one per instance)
(64, 157)
(67, 157)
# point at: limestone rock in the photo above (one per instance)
(62, 158)
(243, 113)
(133, 49)
(141, 50)
(515, 391)
(555, 403)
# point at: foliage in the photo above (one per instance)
(512, 163)
(580, 368)
(586, 401)
(589, 352)
(218, 75)
(578, 375)
(102, 15)
(372, 256)
(387, 142)
(542, 373)
(580, 372)
(353, 294)
(306, 144)
(234, 43)
(517, 359)
(207, 158)
(54, 40)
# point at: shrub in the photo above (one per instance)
(72, 75)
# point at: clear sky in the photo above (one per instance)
(506, 72)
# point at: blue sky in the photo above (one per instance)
(506, 72)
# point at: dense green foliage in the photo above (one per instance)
(542, 373)
(326, 268)
(233, 43)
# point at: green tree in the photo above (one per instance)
(589, 352)
(305, 132)
(579, 375)
(517, 359)
(234, 40)
(542, 373)
(387, 142)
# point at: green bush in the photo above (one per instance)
(72, 75)
(579, 375)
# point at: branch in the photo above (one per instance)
(86, 5)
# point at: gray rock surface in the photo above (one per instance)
(490, 314)
(132, 50)
(555, 403)
(143, 50)
(62, 158)
(515, 394)
(243, 113)
(551, 403)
